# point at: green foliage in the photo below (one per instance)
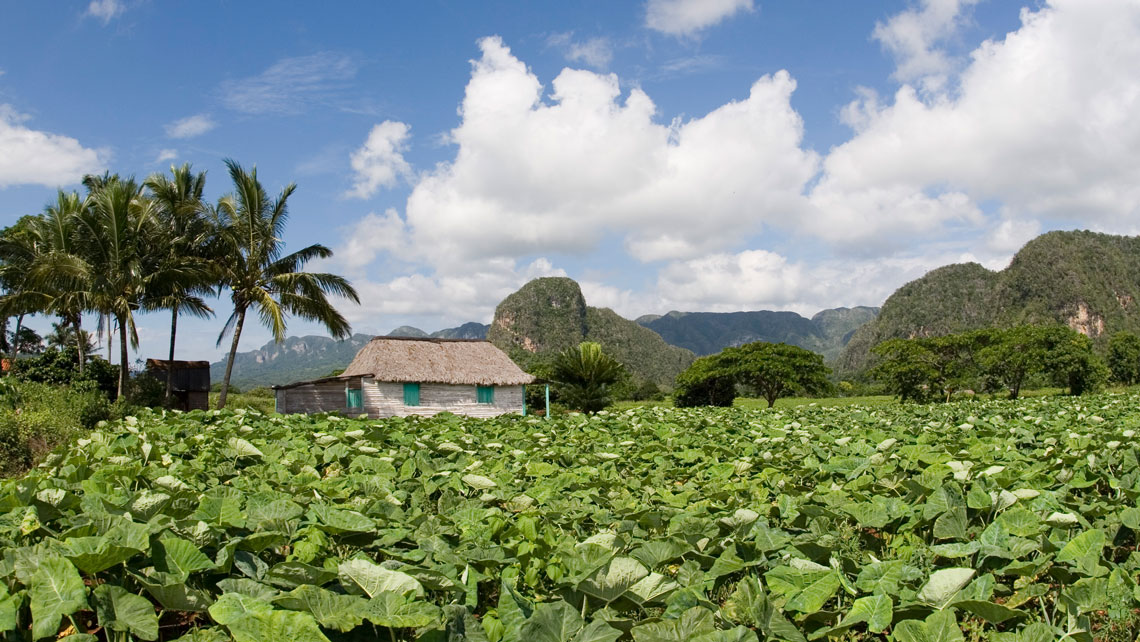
(773, 370)
(705, 383)
(584, 376)
(988, 520)
(43, 417)
(61, 367)
(1124, 358)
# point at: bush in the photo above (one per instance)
(44, 417)
(61, 367)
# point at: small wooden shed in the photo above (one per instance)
(191, 381)
(399, 376)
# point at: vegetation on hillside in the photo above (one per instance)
(1086, 280)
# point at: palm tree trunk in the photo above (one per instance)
(230, 361)
(80, 342)
(16, 344)
(170, 363)
(109, 335)
(124, 373)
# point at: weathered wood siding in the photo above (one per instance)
(387, 400)
(326, 396)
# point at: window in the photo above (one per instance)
(411, 394)
(353, 398)
(485, 394)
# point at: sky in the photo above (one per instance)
(694, 155)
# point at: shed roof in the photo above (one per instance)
(455, 361)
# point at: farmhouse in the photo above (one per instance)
(398, 376)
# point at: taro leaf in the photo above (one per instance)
(372, 579)
(221, 511)
(277, 626)
(248, 587)
(1037, 632)
(943, 585)
(768, 539)
(553, 622)
(951, 524)
(250, 565)
(940, 626)
(726, 563)
(513, 608)
(56, 590)
(882, 577)
(657, 552)
(94, 554)
(751, 606)
(651, 588)
(179, 557)
(332, 610)
(9, 609)
(479, 482)
(1130, 517)
(815, 595)
(459, 626)
(337, 520)
(231, 607)
(694, 625)
(293, 574)
(172, 592)
(610, 581)
(875, 610)
(1084, 551)
(212, 634)
(956, 549)
(121, 610)
(243, 448)
(397, 611)
(990, 612)
(277, 510)
(1085, 596)
(1021, 522)
(868, 514)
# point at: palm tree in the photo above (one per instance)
(185, 242)
(252, 227)
(20, 247)
(585, 374)
(116, 235)
(61, 275)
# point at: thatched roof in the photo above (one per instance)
(456, 361)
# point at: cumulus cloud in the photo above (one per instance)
(105, 10)
(914, 37)
(687, 17)
(534, 176)
(166, 155)
(190, 126)
(370, 237)
(380, 161)
(1041, 121)
(42, 158)
(291, 85)
(595, 52)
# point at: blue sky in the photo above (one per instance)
(668, 154)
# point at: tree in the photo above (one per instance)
(1072, 361)
(26, 341)
(1015, 355)
(19, 250)
(185, 243)
(584, 375)
(1124, 357)
(251, 228)
(705, 383)
(777, 369)
(907, 369)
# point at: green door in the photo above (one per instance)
(354, 398)
(485, 394)
(411, 394)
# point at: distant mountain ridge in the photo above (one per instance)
(1086, 280)
(470, 330)
(710, 332)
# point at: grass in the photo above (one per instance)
(234, 401)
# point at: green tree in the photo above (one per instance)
(1015, 355)
(777, 370)
(185, 246)
(1073, 362)
(20, 248)
(907, 368)
(585, 375)
(251, 228)
(1124, 357)
(705, 383)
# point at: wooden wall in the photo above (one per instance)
(387, 400)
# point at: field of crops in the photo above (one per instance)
(1004, 521)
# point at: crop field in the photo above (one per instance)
(1007, 521)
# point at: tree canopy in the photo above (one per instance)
(773, 370)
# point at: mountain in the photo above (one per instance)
(294, 359)
(710, 332)
(1086, 280)
(550, 314)
(469, 330)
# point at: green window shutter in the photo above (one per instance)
(354, 398)
(485, 394)
(411, 394)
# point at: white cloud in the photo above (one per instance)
(1041, 122)
(380, 161)
(190, 126)
(105, 10)
(913, 37)
(532, 177)
(291, 85)
(42, 158)
(370, 237)
(687, 17)
(166, 155)
(595, 52)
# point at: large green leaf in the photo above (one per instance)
(373, 579)
(815, 595)
(94, 554)
(612, 580)
(56, 591)
(694, 625)
(121, 610)
(750, 606)
(397, 611)
(276, 625)
(179, 557)
(876, 611)
(559, 622)
(940, 626)
(332, 610)
(943, 585)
